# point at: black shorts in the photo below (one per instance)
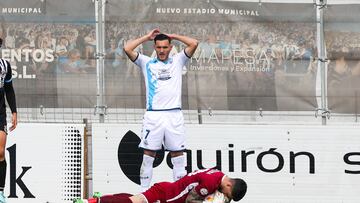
(3, 123)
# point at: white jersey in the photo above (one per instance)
(163, 81)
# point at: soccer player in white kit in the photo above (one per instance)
(163, 122)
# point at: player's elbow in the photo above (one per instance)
(127, 49)
(191, 48)
(195, 43)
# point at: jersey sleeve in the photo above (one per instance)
(9, 89)
(141, 60)
(8, 77)
(209, 182)
(182, 58)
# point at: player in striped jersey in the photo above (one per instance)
(6, 90)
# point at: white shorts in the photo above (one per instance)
(163, 128)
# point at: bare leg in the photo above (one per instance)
(138, 199)
(2, 160)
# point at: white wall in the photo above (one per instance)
(328, 182)
(54, 153)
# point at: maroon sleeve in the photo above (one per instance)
(209, 182)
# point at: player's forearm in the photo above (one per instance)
(131, 45)
(193, 201)
(193, 197)
(186, 40)
(191, 43)
(10, 96)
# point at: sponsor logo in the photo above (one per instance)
(17, 181)
(164, 74)
(203, 191)
(130, 159)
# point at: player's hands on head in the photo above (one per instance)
(152, 34)
(170, 35)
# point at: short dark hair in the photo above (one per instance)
(239, 189)
(161, 37)
(1, 42)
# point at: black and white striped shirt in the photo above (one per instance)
(6, 87)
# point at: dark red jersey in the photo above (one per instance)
(205, 182)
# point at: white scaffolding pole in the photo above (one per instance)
(322, 60)
(100, 107)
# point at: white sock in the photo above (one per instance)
(146, 172)
(178, 167)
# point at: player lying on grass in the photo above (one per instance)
(192, 188)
